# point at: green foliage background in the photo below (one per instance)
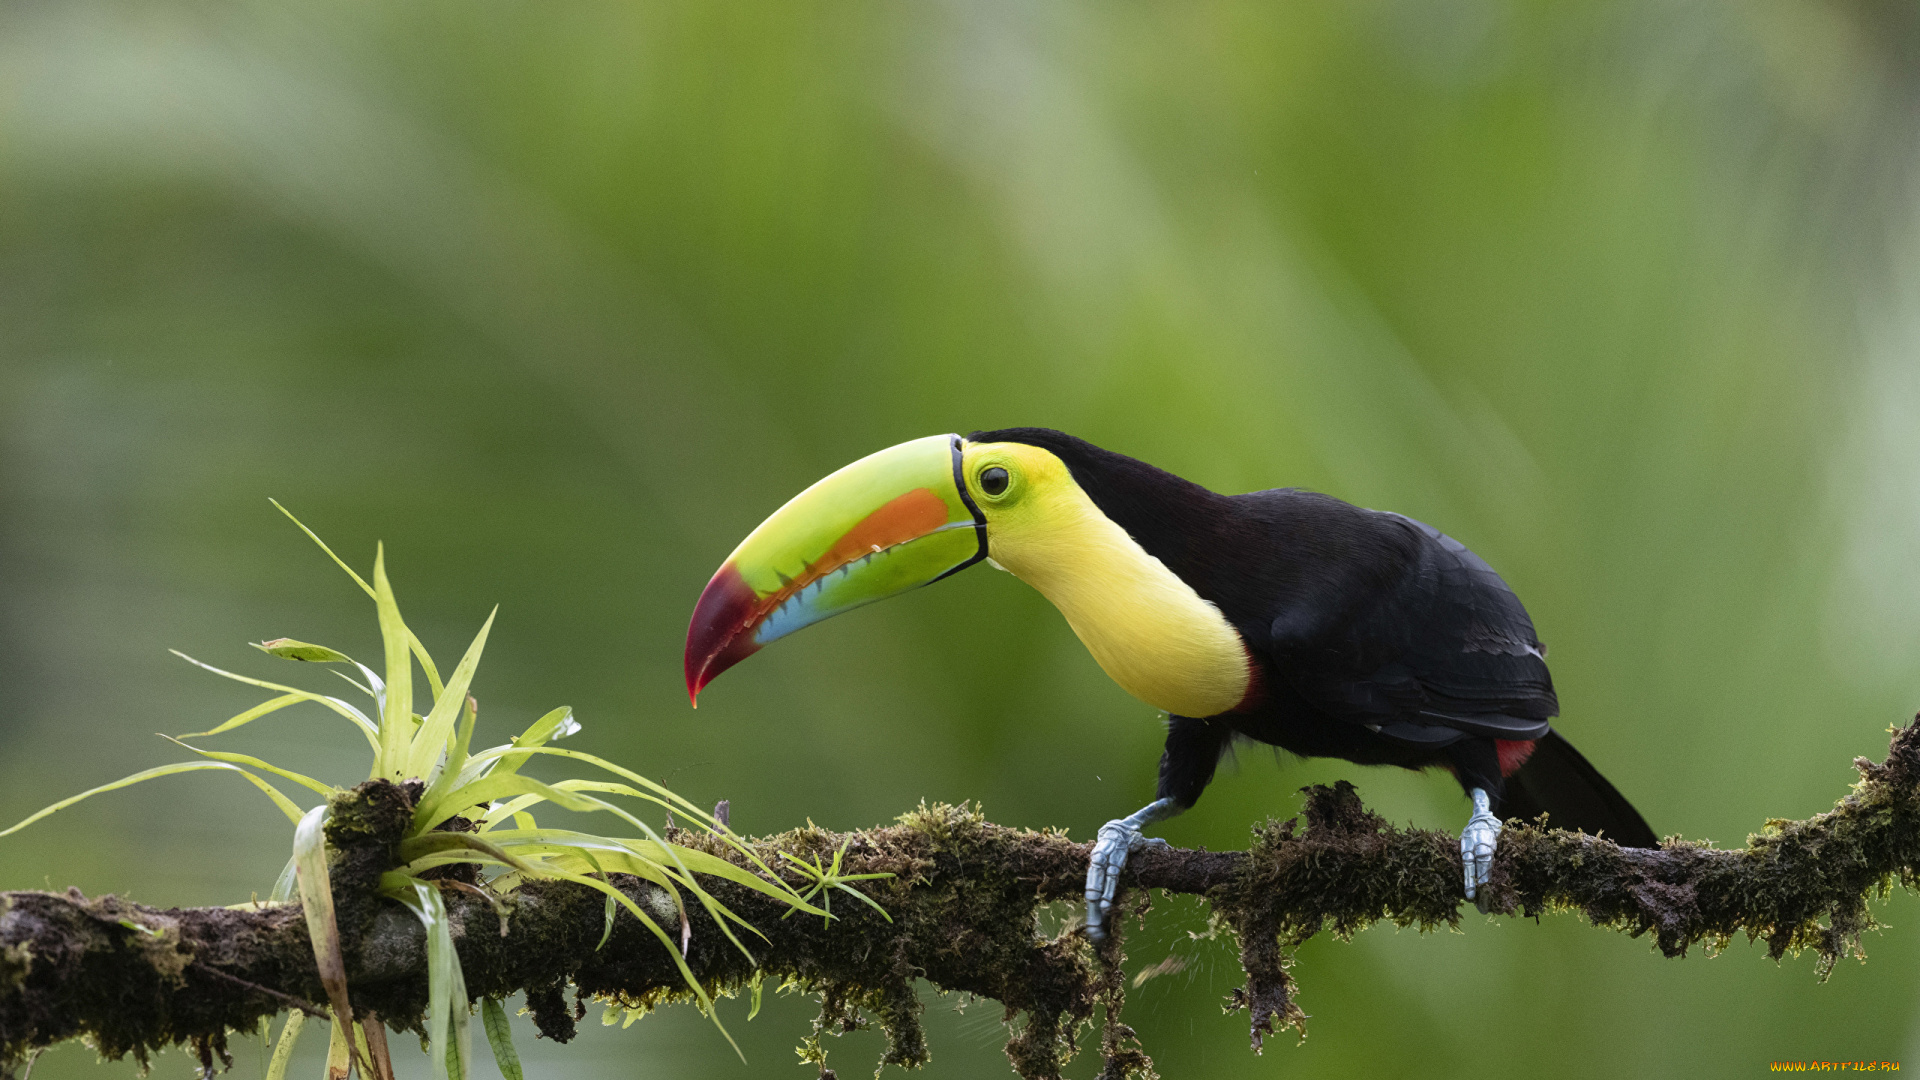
(561, 300)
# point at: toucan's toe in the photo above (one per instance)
(1118, 839)
(1477, 843)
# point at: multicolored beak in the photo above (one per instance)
(887, 523)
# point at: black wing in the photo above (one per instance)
(1436, 647)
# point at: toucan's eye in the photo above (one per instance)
(994, 481)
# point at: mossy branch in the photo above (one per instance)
(963, 902)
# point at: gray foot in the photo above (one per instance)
(1118, 839)
(1477, 842)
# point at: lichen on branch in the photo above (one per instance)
(964, 902)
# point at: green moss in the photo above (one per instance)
(376, 813)
(965, 900)
(16, 961)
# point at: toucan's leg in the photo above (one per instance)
(1477, 841)
(1476, 762)
(1118, 839)
(1193, 750)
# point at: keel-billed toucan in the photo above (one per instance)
(1281, 616)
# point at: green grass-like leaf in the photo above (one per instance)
(447, 1016)
(396, 713)
(419, 650)
(283, 1050)
(686, 973)
(493, 1017)
(432, 738)
(316, 902)
(828, 878)
(455, 773)
(488, 787)
(291, 696)
(340, 1053)
(289, 649)
(557, 724)
(661, 796)
(434, 843)
(285, 804)
(307, 782)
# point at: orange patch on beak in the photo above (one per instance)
(721, 633)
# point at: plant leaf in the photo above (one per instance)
(430, 843)
(447, 1032)
(373, 1037)
(513, 808)
(432, 737)
(373, 687)
(686, 974)
(396, 713)
(419, 650)
(704, 863)
(701, 818)
(339, 1055)
(650, 853)
(288, 649)
(307, 782)
(452, 857)
(673, 853)
(293, 692)
(486, 790)
(287, 806)
(863, 897)
(505, 760)
(717, 911)
(582, 860)
(493, 1016)
(556, 724)
(316, 902)
(455, 773)
(664, 794)
(283, 1050)
(154, 773)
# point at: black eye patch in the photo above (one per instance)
(994, 481)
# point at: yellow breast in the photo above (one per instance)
(1146, 628)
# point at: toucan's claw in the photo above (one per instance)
(1118, 839)
(1477, 842)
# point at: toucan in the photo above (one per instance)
(1284, 617)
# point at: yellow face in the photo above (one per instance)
(1024, 492)
(1146, 628)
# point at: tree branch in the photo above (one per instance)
(963, 903)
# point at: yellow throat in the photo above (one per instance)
(1147, 629)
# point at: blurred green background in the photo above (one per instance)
(560, 300)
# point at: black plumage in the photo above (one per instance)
(1375, 638)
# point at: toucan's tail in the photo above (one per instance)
(1558, 782)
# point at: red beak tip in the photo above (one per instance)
(697, 680)
(727, 608)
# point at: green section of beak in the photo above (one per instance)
(887, 523)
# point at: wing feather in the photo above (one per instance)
(1442, 649)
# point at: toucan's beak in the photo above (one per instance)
(887, 523)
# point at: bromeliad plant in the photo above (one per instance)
(488, 790)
